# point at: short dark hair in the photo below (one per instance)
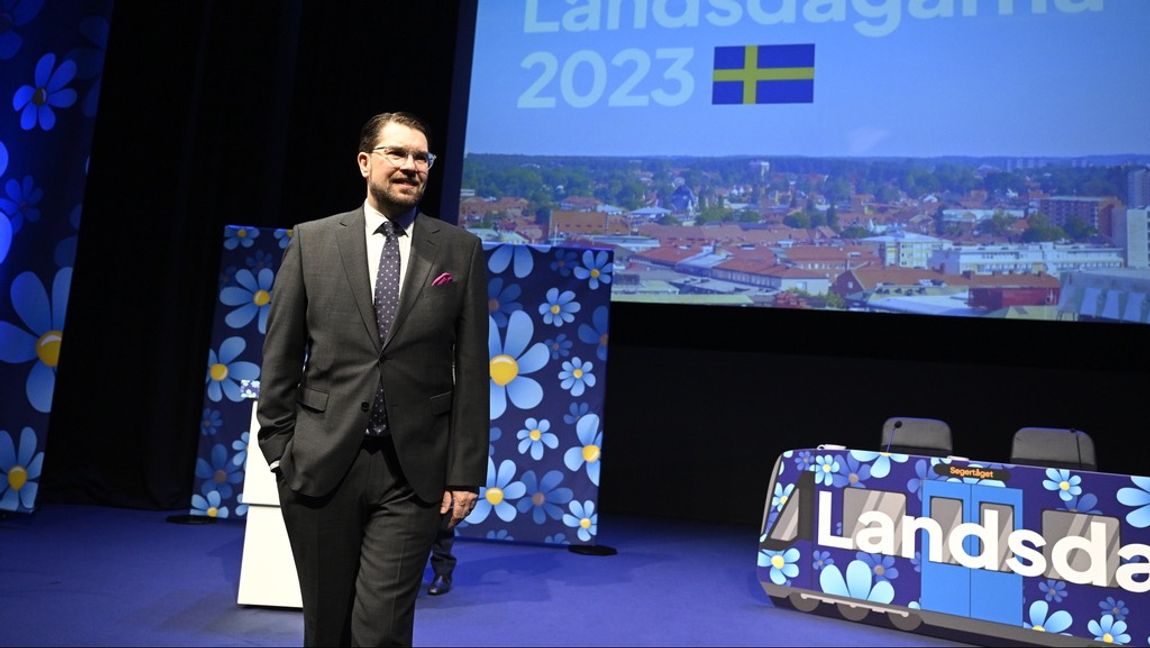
(369, 134)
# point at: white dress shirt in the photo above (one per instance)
(373, 218)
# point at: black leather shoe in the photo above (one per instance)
(440, 585)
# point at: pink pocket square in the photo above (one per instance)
(443, 279)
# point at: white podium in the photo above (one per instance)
(267, 570)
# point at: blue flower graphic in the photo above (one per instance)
(1109, 630)
(211, 422)
(595, 269)
(1062, 482)
(502, 535)
(558, 538)
(916, 562)
(881, 566)
(220, 473)
(544, 498)
(805, 461)
(881, 466)
(857, 584)
(20, 466)
(564, 262)
(576, 411)
(1115, 608)
(597, 332)
(560, 346)
(283, 237)
(35, 102)
(241, 506)
(826, 467)
(560, 307)
(253, 295)
(1053, 590)
(224, 371)
(510, 363)
(922, 474)
(583, 518)
(1084, 503)
(496, 495)
(1040, 621)
(534, 436)
(576, 376)
(494, 435)
(20, 202)
(781, 495)
(502, 257)
(820, 559)
(1139, 497)
(856, 474)
(260, 260)
(235, 237)
(15, 13)
(501, 300)
(240, 445)
(209, 506)
(782, 564)
(589, 450)
(45, 330)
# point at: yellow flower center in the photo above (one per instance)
(242, 233)
(1039, 628)
(585, 523)
(213, 511)
(494, 496)
(578, 373)
(555, 309)
(218, 372)
(826, 468)
(783, 500)
(17, 477)
(595, 273)
(535, 434)
(503, 369)
(48, 347)
(590, 453)
(261, 297)
(1108, 638)
(1065, 485)
(777, 562)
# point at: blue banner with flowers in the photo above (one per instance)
(51, 59)
(549, 310)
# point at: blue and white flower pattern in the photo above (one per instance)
(560, 307)
(596, 269)
(783, 564)
(1138, 497)
(1062, 482)
(225, 370)
(20, 466)
(253, 296)
(589, 449)
(583, 519)
(40, 341)
(511, 362)
(576, 376)
(498, 494)
(1109, 630)
(544, 497)
(857, 584)
(48, 90)
(1039, 618)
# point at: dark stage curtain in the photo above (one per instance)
(212, 113)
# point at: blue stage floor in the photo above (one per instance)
(76, 575)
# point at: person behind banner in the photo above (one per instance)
(374, 392)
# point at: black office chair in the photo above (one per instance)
(1054, 448)
(925, 436)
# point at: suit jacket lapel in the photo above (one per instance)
(424, 249)
(353, 252)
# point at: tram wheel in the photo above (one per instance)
(908, 623)
(802, 603)
(852, 613)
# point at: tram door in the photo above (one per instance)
(990, 594)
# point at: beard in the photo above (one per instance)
(395, 196)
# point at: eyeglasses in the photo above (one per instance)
(422, 160)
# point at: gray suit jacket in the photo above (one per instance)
(323, 359)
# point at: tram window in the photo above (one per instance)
(786, 526)
(1057, 525)
(948, 513)
(857, 501)
(1005, 526)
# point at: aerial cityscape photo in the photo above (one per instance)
(1029, 238)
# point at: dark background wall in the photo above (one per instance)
(217, 113)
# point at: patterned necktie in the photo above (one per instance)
(386, 302)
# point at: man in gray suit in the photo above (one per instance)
(373, 405)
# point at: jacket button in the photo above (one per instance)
(363, 407)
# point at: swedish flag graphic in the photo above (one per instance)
(764, 74)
